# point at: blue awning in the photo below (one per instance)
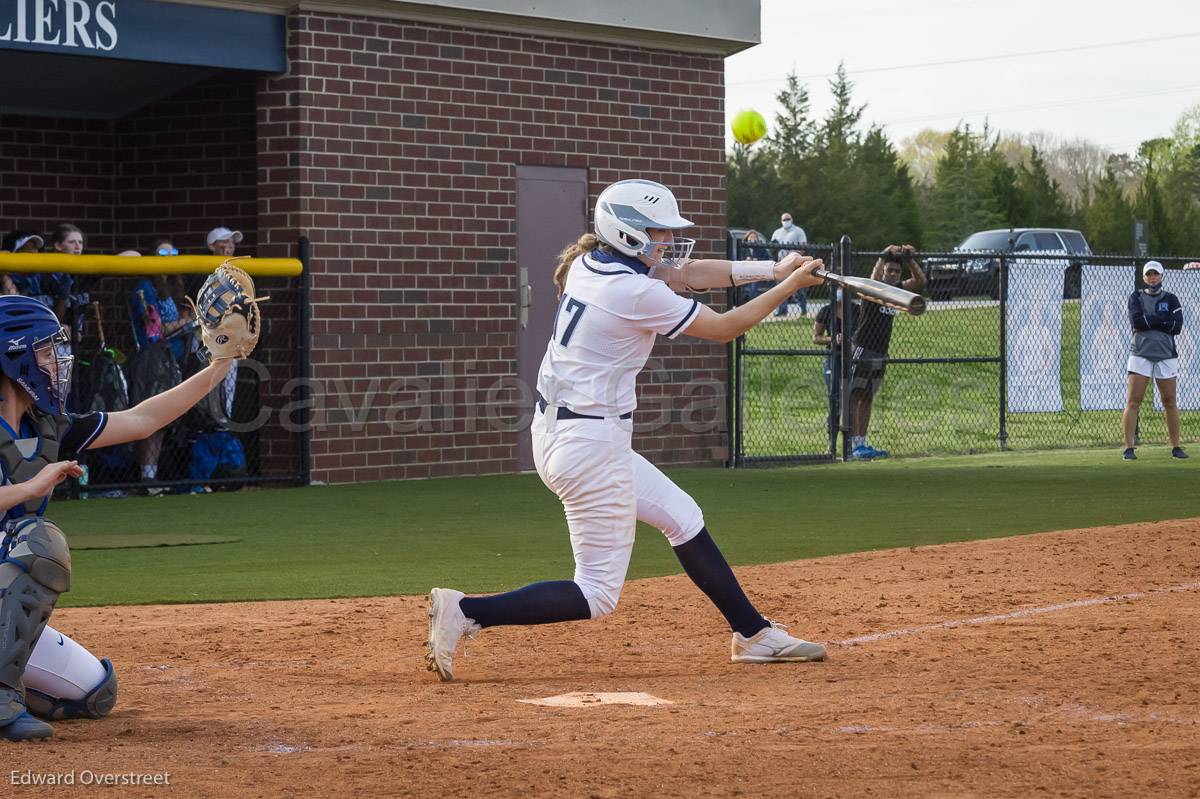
(146, 30)
(111, 57)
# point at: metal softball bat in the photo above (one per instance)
(877, 291)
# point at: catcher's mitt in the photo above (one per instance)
(227, 312)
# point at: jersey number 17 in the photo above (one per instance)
(574, 309)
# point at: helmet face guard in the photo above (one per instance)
(56, 367)
(673, 253)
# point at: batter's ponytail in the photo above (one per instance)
(586, 243)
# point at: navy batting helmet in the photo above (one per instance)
(32, 343)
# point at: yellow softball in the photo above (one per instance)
(748, 127)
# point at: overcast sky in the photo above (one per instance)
(1116, 95)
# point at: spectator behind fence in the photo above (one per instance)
(223, 241)
(821, 337)
(1157, 318)
(155, 367)
(821, 329)
(20, 241)
(789, 232)
(216, 453)
(100, 385)
(753, 249)
(870, 341)
(167, 296)
(67, 294)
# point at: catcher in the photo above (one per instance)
(43, 672)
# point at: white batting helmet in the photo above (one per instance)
(627, 208)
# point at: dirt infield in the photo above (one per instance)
(330, 698)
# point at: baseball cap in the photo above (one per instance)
(1152, 266)
(23, 240)
(222, 233)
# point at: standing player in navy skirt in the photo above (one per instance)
(617, 290)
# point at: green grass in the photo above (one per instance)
(925, 409)
(493, 533)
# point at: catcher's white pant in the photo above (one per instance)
(62, 668)
(605, 488)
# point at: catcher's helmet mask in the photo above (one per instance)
(37, 356)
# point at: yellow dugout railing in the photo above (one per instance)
(124, 265)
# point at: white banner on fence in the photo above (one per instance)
(1186, 286)
(1034, 333)
(1104, 336)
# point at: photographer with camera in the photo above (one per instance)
(870, 342)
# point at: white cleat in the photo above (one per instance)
(447, 626)
(774, 645)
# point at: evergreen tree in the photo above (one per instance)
(1041, 197)
(788, 154)
(829, 180)
(752, 189)
(839, 129)
(794, 128)
(1108, 217)
(1003, 183)
(884, 200)
(961, 200)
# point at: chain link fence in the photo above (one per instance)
(134, 337)
(782, 399)
(1016, 351)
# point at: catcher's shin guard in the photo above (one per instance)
(34, 570)
(97, 704)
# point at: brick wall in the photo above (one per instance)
(186, 164)
(393, 145)
(177, 168)
(57, 170)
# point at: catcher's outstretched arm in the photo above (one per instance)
(151, 415)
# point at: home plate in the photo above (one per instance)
(590, 699)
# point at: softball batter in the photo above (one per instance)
(41, 670)
(617, 293)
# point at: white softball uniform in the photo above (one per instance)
(604, 330)
(1161, 370)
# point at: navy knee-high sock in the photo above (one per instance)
(704, 563)
(540, 603)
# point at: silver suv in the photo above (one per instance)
(958, 277)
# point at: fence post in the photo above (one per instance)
(1002, 280)
(731, 361)
(736, 372)
(845, 265)
(834, 389)
(304, 356)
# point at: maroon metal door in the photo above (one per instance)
(552, 211)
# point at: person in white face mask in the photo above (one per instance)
(789, 232)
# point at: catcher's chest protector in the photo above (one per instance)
(41, 450)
